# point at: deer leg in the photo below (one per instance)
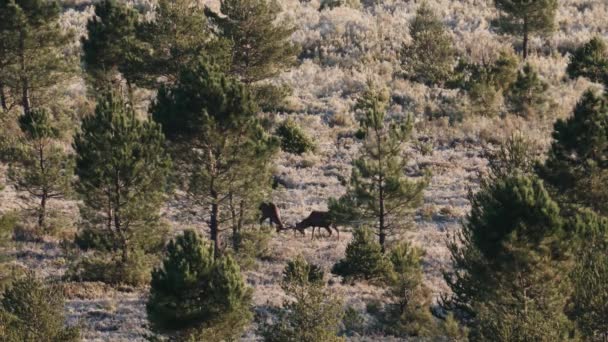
(337, 231)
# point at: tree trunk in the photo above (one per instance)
(213, 225)
(3, 102)
(44, 196)
(25, 87)
(525, 43)
(42, 211)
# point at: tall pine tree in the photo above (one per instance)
(42, 168)
(379, 191)
(261, 46)
(509, 270)
(577, 164)
(525, 18)
(122, 169)
(224, 150)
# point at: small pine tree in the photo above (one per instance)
(122, 169)
(577, 161)
(33, 311)
(293, 140)
(193, 291)
(379, 190)
(261, 46)
(312, 315)
(591, 61)
(430, 57)
(508, 264)
(43, 167)
(486, 84)
(525, 18)
(527, 95)
(410, 311)
(363, 259)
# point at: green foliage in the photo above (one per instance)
(221, 144)
(379, 191)
(525, 18)
(122, 168)
(111, 269)
(363, 259)
(293, 140)
(353, 321)
(514, 157)
(508, 265)
(271, 97)
(591, 61)
(42, 167)
(486, 84)
(453, 331)
(253, 245)
(430, 57)
(34, 53)
(261, 46)
(298, 271)
(527, 95)
(409, 313)
(177, 36)
(33, 311)
(109, 49)
(193, 291)
(588, 305)
(577, 162)
(312, 315)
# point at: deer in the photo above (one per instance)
(318, 219)
(271, 212)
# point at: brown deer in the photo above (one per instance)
(318, 219)
(270, 211)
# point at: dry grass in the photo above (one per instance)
(344, 47)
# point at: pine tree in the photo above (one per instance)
(430, 57)
(363, 259)
(509, 270)
(224, 149)
(261, 46)
(527, 95)
(591, 61)
(43, 168)
(193, 291)
(110, 48)
(379, 190)
(177, 36)
(577, 162)
(312, 315)
(588, 306)
(525, 18)
(32, 57)
(486, 84)
(33, 311)
(122, 169)
(409, 313)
